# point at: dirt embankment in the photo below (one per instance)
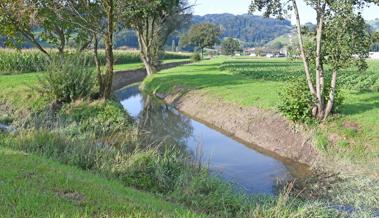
(266, 129)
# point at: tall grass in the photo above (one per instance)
(25, 61)
(167, 172)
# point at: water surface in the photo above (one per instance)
(237, 162)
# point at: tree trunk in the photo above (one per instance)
(62, 39)
(97, 63)
(108, 77)
(332, 94)
(319, 66)
(146, 56)
(301, 46)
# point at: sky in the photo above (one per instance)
(203, 7)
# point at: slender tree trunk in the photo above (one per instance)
(319, 67)
(332, 94)
(85, 45)
(36, 43)
(108, 77)
(302, 50)
(146, 55)
(97, 63)
(62, 40)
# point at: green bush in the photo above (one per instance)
(296, 101)
(67, 79)
(149, 170)
(98, 117)
(196, 57)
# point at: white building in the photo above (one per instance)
(374, 55)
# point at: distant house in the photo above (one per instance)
(374, 55)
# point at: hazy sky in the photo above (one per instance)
(241, 7)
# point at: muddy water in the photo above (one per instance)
(245, 165)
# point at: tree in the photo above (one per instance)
(154, 22)
(202, 35)
(17, 21)
(30, 20)
(277, 45)
(338, 50)
(97, 18)
(230, 46)
(375, 42)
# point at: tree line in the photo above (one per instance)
(86, 22)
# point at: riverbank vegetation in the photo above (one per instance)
(259, 82)
(348, 141)
(98, 137)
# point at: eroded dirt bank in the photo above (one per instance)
(266, 129)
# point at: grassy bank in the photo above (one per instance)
(32, 186)
(88, 144)
(18, 92)
(353, 134)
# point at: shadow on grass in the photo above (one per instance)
(361, 106)
(197, 81)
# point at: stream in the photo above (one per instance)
(240, 163)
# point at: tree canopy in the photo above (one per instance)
(341, 39)
(204, 35)
(230, 46)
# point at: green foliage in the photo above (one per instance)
(149, 170)
(67, 79)
(12, 61)
(296, 102)
(252, 30)
(26, 61)
(346, 38)
(202, 35)
(230, 46)
(195, 57)
(167, 173)
(99, 118)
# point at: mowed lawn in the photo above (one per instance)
(257, 82)
(32, 186)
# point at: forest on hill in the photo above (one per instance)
(250, 29)
(253, 30)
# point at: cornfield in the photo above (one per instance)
(31, 60)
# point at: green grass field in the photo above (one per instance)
(31, 186)
(257, 82)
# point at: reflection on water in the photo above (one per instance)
(232, 160)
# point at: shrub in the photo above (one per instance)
(98, 117)
(296, 101)
(149, 170)
(195, 57)
(67, 79)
